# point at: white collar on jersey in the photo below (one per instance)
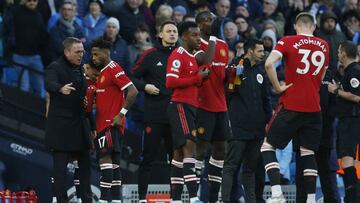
(308, 35)
(110, 64)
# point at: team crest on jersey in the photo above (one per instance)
(281, 42)
(354, 82)
(222, 52)
(102, 79)
(260, 78)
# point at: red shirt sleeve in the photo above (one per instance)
(173, 73)
(119, 78)
(281, 47)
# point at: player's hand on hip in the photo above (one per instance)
(66, 89)
(151, 89)
(117, 121)
(283, 88)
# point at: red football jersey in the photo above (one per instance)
(110, 88)
(306, 58)
(182, 77)
(212, 92)
(90, 94)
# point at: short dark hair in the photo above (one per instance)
(166, 23)
(184, 27)
(305, 18)
(251, 44)
(69, 41)
(101, 43)
(349, 48)
(202, 16)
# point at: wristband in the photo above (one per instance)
(212, 38)
(123, 111)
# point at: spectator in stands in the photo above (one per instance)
(245, 29)
(163, 14)
(231, 34)
(65, 27)
(142, 42)
(351, 20)
(222, 8)
(248, 8)
(130, 17)
(94, 21)
(269, 39)
(56, 15)
(189, 17)
(25, 36)
(179, 13)
(239, 48)
(295, 7)
(119, 52)
(350, 5)
(270, 12)
(332, 36)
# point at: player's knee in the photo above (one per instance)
(201, 148)
(105, 160)
(218, 150)
(266, 147)
(306, 152)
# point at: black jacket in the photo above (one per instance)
(349, 83)
(66, 127)
(150, 68)
(250, 104)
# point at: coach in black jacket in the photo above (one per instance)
(67, 133)
(149, 75)
(249, 110)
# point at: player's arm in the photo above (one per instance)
(206, 57)
(271, 72)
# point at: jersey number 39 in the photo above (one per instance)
(317, 58)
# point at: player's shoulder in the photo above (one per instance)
(111, 67)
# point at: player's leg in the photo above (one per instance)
(177, 179)
(77, 180)
(151, 143)
(310, 132)
(117, 179)
(281, 129)
(190, 178)
(251, 157)
(104, 144)
(233, 157)
(178, 139)
(216, 164)
(220, 135)
(205, 128)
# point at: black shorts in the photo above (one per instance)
(212, 126)
(304, 128)
(108, 141)
(348, 133)
(182, 121)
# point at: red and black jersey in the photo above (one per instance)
(110, 99)
(90, 94)
(212, 93)
(182, 77)
(306, 58)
